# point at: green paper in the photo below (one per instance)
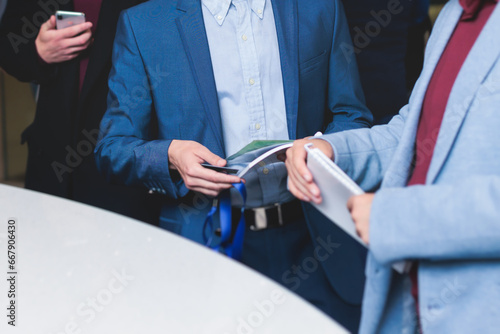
(257, 144)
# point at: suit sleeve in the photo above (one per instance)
(128, 151)
(365, 154)
(437, 222)
(346, 99)
(19, 56)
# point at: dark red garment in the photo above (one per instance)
(91, 8)
(472, 21)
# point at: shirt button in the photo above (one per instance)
(244, 37)
(219, 17)
(265, 171)
(257, 126)
(251, 81)
(259, 11)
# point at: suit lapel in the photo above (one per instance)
(192, 31)
(476, 67)
(401, 166)
(285, 17)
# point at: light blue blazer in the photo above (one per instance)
(452, 224)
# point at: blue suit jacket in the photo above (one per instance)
(162, 88)
(452, 224)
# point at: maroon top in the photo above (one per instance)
(91, 8)
(472, 21)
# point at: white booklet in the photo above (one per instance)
(258, 153)
(336, 188)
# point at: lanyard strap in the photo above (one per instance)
(232, 247)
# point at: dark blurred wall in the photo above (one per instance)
(388, 41)
(3, 3)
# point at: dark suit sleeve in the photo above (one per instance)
(18, 31)
(128, 151)
(345, 94)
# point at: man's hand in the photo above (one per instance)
(360, 207)
(187, 156)
(57, 46)
(300, 180)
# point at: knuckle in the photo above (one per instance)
(80, 40)
(189, 171)
(189, 183)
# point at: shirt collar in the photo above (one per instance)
(472, 7)
(220, 8)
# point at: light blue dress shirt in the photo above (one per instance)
(246, 63)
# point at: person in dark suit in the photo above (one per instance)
(71, 66)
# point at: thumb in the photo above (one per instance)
(50, 24)
(350, 203)
(211, 158)
(300, 159)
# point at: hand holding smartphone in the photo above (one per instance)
(63, 37)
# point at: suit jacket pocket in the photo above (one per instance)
(312, 63)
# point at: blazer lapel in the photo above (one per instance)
(285, 17)
(192, 31)
(476, 67)
(401, 166)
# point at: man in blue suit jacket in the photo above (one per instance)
(448, 225)
(168, 112)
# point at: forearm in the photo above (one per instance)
(22, 60)
(132, 161)
(365, 154)
(437, 222)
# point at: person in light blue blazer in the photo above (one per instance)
(195, 81)
(449, 226)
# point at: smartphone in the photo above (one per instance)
(66, 19)
(225, 170)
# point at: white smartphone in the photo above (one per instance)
(66, 19)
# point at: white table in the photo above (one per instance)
(86, 270)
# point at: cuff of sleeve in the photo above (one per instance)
(160, 178)
(341, 152)
(44, 71)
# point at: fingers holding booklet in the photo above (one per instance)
(187, 157)
(300, 180)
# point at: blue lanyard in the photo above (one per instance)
(230, 247)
